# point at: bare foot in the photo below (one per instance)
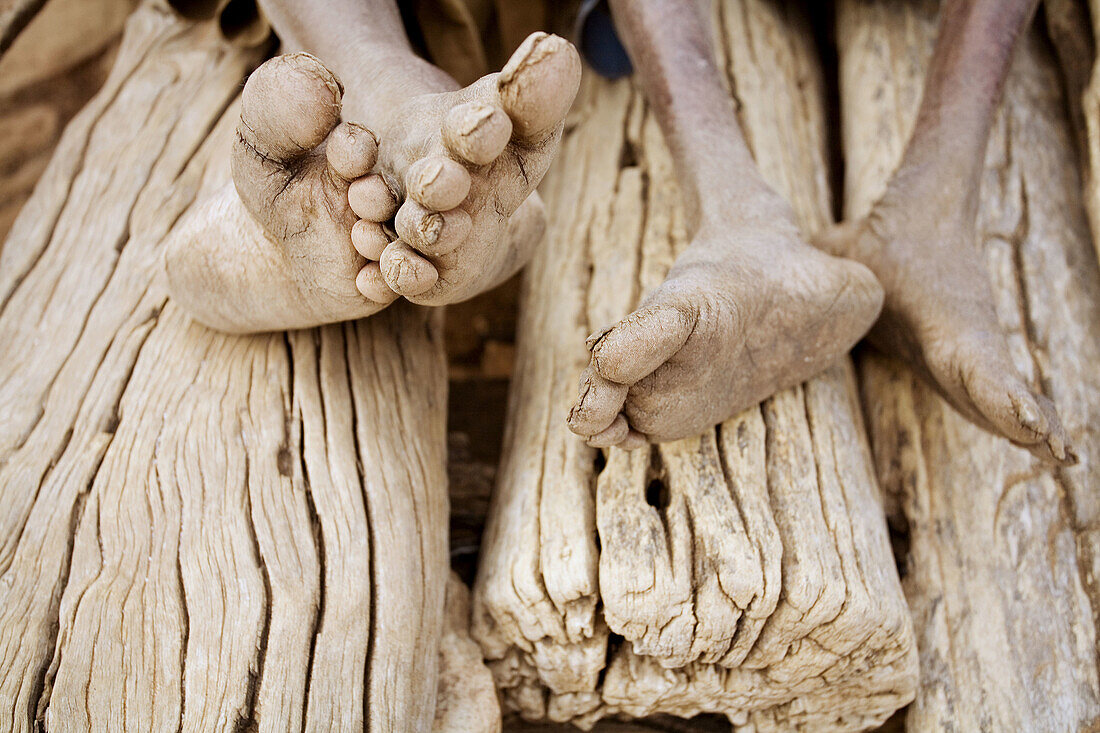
(939, 316)
(275, 250)
(465, 161)
(747, 309)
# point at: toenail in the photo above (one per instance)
(429, 227)
(537, 51)
(1029, 416)
(592, 341)
(359, 128)
(475, 119)
(430, 173)
(477, 132)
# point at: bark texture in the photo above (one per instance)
(200, 531)
(1004, 552)
(1074, 26)
(1088, 118)
(467, 700)
(747, 571)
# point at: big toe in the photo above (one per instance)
(538, 84)
(1032, 421)
(1015, 411)
(635, 346)
(288, 106)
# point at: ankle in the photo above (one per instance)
(747, 202)
(937, 199)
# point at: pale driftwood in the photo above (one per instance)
(656, 724)
(1089, 133)
(764, 587)
(1069, 27)
(467, 698)
(201, 531)
(1003, 551)
(1074, 27)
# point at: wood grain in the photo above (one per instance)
(198, 531)
(745, 572)
(1003, 551)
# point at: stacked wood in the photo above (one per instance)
(1003, 551)
(1074, 27)
(200, 531)
(467, 701)
(747, 571)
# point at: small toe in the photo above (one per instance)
(371, 199)
(635, 346)
(633, 441)
(1039, 417)
(369, 239)
(406, 271)
(538, 84)
(372, 285)
(613, 434)
(432, 232)
(1009, 407)
(476, 132)
(437, 182)
(288, 107)
(352, 151)
(599, 403)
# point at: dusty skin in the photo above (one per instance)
(299, 240)
(920, 238)
(465, 162)
(275, 251)
(748, 308)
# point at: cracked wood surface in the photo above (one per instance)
(1074, 27)
(747, 571)
(1004, 552)
(202, 532)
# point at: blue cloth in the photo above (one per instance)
(599, 42)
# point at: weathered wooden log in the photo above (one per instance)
(746, 571)
(1074, 27)
(1003, 552)
(655, 724)
(467, 698)
(201, 531)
